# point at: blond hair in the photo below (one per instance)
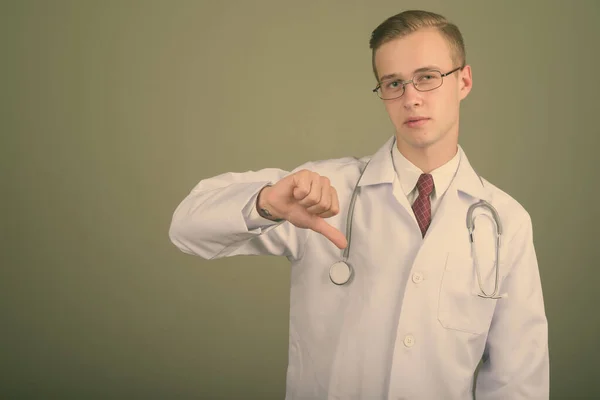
(410, 21)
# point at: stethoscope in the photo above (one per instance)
(471, 228)
(341, 272)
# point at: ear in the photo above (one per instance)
(465, 82)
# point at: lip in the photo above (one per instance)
(415, 121)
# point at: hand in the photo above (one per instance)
(304, 199)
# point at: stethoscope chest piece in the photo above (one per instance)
(340, 273)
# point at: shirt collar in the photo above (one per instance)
(409, 174)
(381, 170)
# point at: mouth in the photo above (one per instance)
(415, 121)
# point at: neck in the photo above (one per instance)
(428, 158)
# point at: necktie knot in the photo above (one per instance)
(425, 185)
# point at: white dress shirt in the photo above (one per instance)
(408, 175)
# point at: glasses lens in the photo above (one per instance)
(391, 89)
(428, 80)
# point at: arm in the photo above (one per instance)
(218, 218)
(516, 361)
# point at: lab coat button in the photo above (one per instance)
(417, 277)
(409, 340)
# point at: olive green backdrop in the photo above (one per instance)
(111, 111)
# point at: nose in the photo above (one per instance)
(412, 97)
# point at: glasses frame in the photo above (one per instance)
(413, 83)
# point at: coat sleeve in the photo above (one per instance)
(516, 361)
(215, 219)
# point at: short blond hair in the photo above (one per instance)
(410, 21)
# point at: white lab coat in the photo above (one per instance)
(410, 324)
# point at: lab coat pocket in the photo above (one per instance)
(460, 307)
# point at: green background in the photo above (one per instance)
(111, 111)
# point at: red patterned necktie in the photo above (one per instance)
(422, 206)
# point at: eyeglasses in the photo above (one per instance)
(422, 81)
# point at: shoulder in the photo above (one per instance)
(513, 215)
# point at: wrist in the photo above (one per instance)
(263, 207)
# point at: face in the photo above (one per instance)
(399, 59)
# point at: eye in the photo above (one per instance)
(393, 84)
(427, 77)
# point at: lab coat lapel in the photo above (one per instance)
(381, 170)
(448, 225)
(449, 222)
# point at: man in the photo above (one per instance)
(416, 312)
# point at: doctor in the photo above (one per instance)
(410, 323)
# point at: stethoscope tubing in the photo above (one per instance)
(342, 268)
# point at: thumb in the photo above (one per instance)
(333, 234)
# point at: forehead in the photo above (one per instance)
(404, 55)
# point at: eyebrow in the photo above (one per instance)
(422, 69)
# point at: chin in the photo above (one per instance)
(418, 139)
